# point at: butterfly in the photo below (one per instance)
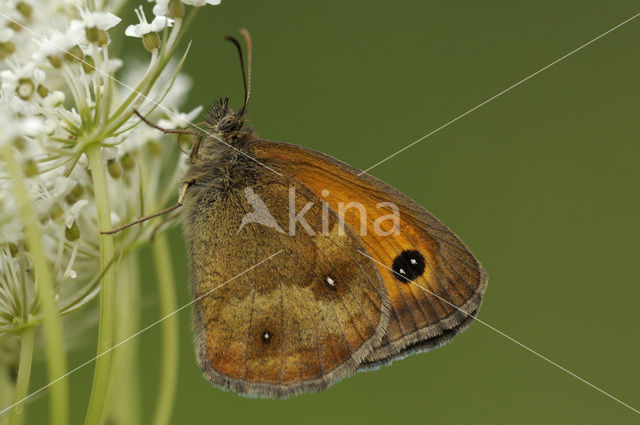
(304, 269)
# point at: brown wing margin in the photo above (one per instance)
(434, 306)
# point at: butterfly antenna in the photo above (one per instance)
(246, 82)
(247, 39)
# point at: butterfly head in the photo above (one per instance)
(224, 121)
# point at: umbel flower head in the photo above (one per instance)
(74, 163)
(60, 97)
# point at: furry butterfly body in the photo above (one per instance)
(331, 302)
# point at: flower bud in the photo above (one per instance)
(42, 91)
(151, 41)
(74, 54)
(88, 64)
(176, 9)
(13, 249)
(77, 191)
(72, 233)
(25, 9)
(114, 169)
(103, 38)
(19, 143)
(127, 161)
(55, 61)
(7, 48)
(92, 34)
(25, 88)
(75, 194)
(154, 148)
(30, 168)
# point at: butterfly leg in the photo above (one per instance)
(197, 134)
(164, 221)
(196, 147)
(183, 192)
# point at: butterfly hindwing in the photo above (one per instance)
(297, 322)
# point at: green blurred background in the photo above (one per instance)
(541, 183)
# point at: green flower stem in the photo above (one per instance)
(124, 398)
(7, 387)
(168, 305)
(107, 292)
(24, 374)
(55, 352)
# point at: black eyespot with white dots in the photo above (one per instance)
(409, 265)
(266, 337)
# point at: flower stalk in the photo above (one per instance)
(107, 294)
(124, 401)
(56, 359)
(7, 389)
(24, 375)
(170, 343)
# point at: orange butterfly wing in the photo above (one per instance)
(435, 284)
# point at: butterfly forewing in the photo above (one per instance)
(433, 281)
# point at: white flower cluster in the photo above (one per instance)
(59, 95)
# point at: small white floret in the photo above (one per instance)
(144, 27)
